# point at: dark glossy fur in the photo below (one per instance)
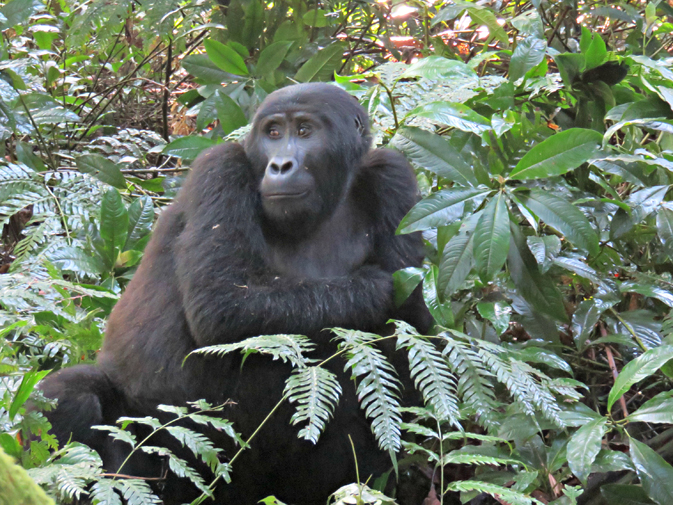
(217, 271)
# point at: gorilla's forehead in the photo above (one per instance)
(323, 100)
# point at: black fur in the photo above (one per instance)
(222, 267)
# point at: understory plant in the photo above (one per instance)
(541, 133)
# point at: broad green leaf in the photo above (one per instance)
(323, 64)
(655, 474)
(239, 48)
(651, 107)
(141, 218)
(583, 447)
(225, 57)
(665, 227)
(564, 217)
(537, 289)
(254, 23)
(73, 259)
(201, 67)
(441, 310)
(188, 148)
(611, 461)
(114, 221)
(434, 153)
(498, 313)
(405, 281)
(221, 106)
(596, 52)
(545, 249)
(28, 383)
(623, 494)
(651, 124)
(271, 57)
(486, 17)
(457, 258)
(528, 53)
(656, 410)
(647, 289)
(455, 115)
(229, 113)
(438, 67)
(640, 368)
(585, 318)
(491, 238)
(577, 415)
(102, 169)
(439, 209)
(558, 154)
(316, 17)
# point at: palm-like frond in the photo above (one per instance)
(378, 389)
(285, 347)
(499, 492)
(316, 392)
(432, 376)
(474, 379)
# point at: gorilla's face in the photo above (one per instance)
(305, 146)
(294, 145)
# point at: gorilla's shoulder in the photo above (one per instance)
(388, 170)
(219, 174)
(222, 157)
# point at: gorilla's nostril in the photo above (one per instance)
(286, 167)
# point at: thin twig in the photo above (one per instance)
(613, 368)
(167, 93)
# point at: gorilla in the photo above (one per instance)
(290, 232)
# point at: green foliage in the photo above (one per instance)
(542, 138)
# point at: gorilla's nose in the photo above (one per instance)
(281, 165)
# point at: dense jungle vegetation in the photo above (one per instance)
(542, 136)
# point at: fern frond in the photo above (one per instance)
(464, 458)
(498, 492)
(118, 434)
(316, 392)
(137, 492)
(529, 393)
(474, 379)
(413, 448)
(178, 466)
(354, 338)
(198, 443)
(378, 391)
(285, 347)
(103, 493)
(431, 376)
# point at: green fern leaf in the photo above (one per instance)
(137, 492)
(431, 376)
(316, 392)
(198, 443)
(474, 380)
(103, 493)
(285, 347)
(378, 389)
(499, 492)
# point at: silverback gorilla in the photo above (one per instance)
(292, 231)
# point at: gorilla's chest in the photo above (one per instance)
(339, 246)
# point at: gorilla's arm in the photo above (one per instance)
(387, 188)
(219, 255)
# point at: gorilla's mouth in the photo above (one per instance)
(283, 196)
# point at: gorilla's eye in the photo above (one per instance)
(273, 132)
(304, 130)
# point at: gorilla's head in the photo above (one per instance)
(305, 147)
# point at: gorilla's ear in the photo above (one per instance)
(360, 126)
